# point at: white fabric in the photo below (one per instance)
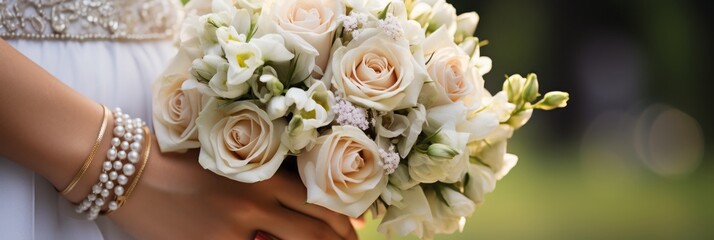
(116, 74)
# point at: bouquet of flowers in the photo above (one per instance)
(381, 102)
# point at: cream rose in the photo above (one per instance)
(176, 113)
(176, 107)
(308, 27)
(343, 171)
(239, 141)
(453, 77)
(378, 72)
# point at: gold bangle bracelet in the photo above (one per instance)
(90, 158)
(122, 199)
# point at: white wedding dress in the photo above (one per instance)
(115, 69)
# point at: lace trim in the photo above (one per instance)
(88, 19)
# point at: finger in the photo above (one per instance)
(294, 198)
(288, 224)
(358, 223)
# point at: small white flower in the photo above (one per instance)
(390, 159)
(390, 25)
(350, 115)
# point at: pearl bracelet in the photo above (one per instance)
(128, 136)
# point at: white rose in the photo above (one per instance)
(308, 27)
(409, 219)
(343, 171)
(378, 72)
(444, 160)
(239, 141)
(176, 108)
(480, 181)
(450, 71)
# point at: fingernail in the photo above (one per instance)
(260, 235)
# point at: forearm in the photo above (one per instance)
(46, 126)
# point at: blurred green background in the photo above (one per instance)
(628, 158)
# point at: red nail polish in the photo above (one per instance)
(259, 235)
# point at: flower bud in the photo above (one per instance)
(204, 68)
(441, 151)
(465, 26)
(514, 87)
(552, 100)
(530, 90)
(277, 107)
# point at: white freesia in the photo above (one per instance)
(460, 205)
(483, 64)
(388, 126)
(239, 141)
(203, 69)
(308, 27)
(481, 180)
(176, 109)
(409, 219)
(465, 26)
(416, 117)
(445, 160)
(343, 171)
(519, 119)
(494, 155)
(254, 5)
(197, 34)
(266, 85)
(434, 14)
(392, 196)
(378, 72)
(366, 6)
(311, 110)
(477, 124)
(245, 57)
(444, 220)
(452, 76)
(499, 105)
(401, 179)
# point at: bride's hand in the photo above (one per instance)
(177, 199)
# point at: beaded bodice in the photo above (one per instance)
(88, 19)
